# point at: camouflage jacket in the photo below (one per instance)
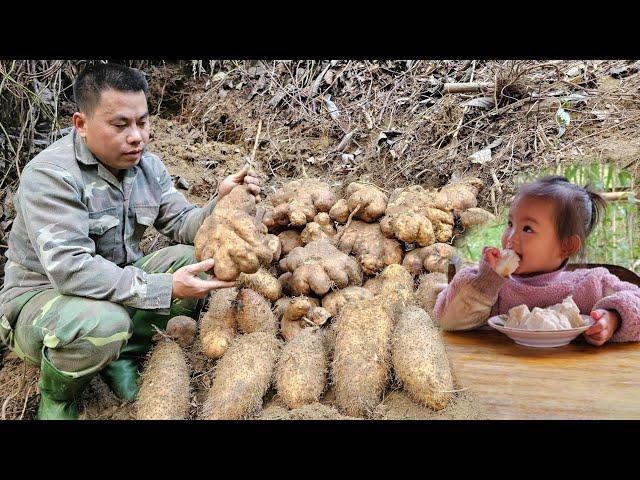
(78, 228)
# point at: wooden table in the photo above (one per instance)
(577, 381)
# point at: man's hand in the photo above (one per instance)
(491, 255)
(246, 176)
(187, 283)
(607, 322)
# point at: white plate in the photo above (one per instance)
(539, 338)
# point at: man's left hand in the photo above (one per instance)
(607, 322)
(246, 176)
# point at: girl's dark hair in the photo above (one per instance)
(578, 209)
(95, 78)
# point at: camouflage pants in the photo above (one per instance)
(82, 335)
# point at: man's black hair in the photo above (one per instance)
(96, 78)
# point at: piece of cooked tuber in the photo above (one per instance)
(317, 267)
(233, 237)
(366, 242)
(507, 263)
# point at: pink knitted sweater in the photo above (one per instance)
(591, 289)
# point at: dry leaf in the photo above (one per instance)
(480, 102)
(328, 77)
(481, 157)
(625, 71)
(575, 71)
(347, 158)
(218, 77)
(601, 114)
(563, 119)
(331, 107)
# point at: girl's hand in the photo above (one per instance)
(491, 256)
(607, 322)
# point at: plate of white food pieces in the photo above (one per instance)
(553, 326)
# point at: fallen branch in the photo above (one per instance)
(617, 196)
(24, 406)
(155, 241)
(469, 87)
(255, 144)
(318, 81)
(346, 141)
(3, 415)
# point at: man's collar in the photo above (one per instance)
(83, 154)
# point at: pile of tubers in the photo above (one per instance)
(325, 298)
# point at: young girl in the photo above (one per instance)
(548, 223)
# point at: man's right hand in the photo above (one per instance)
(187, 283)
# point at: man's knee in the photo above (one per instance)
(186, 253)
(103, 331)
(113, 319)
(179, 256)
(107, 332)
(113, 330)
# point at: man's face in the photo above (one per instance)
(118, 129)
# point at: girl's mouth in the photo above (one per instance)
(517, 270)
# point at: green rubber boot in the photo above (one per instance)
(59, 393)
(122, 374)
(122, 377)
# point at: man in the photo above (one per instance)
(79, 296)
